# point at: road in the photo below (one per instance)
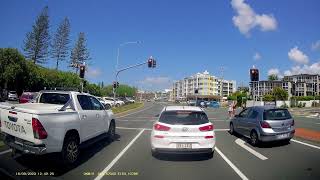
(129, 156)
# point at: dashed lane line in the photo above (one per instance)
(242, 176)
(115, 160)
(300, 142)
(241, 143)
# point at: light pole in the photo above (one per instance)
(117, 65)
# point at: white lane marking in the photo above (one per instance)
(138, 120)
(148, 129)
(6, 151)
(310, 145)
(114, 161)
(242, 176)
(221, 129)
(135, 112)
(241, 143)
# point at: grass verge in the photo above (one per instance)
(124, 108)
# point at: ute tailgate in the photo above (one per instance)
(17, 124)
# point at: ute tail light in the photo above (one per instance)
(206, 128)
(38, 130)
(160, 127)
(265, 124)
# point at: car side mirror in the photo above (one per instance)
(237, 115)
(157, 115)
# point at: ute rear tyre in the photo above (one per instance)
(70, 150)
(112, 131)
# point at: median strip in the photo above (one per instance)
(126, 108)
(307, 134)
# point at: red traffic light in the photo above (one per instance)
(82, 71)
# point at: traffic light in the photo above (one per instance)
(115, 85)
(150, 63)
(254, 74)
(82, 71)
(154, 63)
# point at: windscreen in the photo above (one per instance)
(276, 114)
(54, 98)
(183, 118)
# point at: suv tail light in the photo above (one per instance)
(264, 124)
(160, 127)
(206, 128)
(38, 130)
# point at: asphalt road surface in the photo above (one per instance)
(129, 156)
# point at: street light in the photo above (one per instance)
(124, 44)
(117, 65)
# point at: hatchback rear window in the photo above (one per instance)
(54, 98)
(183, 118)
(276, 114)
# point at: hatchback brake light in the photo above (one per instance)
(38, 130)
(160, 127)
(265, 124)
(206, 128)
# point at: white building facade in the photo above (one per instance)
(207, 85)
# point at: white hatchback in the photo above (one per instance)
(183, 129)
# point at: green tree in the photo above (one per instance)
(12, 69)
(80, 52)
(60, 42)
(37, 41)
(268, 97)
(273, 77)
(280, 94)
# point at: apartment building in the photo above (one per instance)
(295, 85)
(206, 84)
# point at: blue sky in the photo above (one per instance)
(185, 36)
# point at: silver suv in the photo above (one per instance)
(263, 123)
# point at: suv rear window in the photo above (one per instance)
(54, 98)
(183, 118)
(276, 114)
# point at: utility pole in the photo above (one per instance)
(221, 82)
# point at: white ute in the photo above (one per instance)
(58, 121)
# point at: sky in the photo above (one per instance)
(184, 36)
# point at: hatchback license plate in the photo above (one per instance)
(184, 145)
(283, 136)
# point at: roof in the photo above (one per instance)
(183, 108)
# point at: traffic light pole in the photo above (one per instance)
(117, 74)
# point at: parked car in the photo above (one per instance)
(116, 103)
(191, 102)
(59, 121)
(263, 124)
(12, 96)
(182, 129)
(107, 104)
(131, 100)
(27, 97)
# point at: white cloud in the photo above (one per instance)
(316, 46)
(156, 83)
(305, 69)
(247, 18)
(298, 56)
(257, 56)
(93, 72)
(273, 71)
